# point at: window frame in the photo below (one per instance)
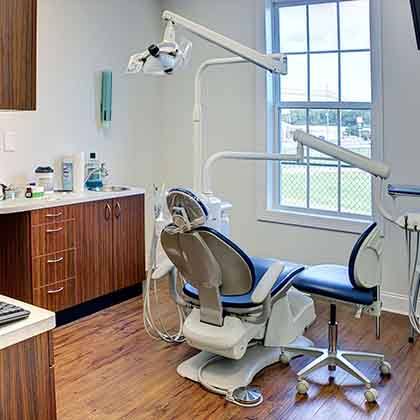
(268, 125)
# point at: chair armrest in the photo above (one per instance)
(162, 269)
(265, 285)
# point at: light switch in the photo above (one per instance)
(10, 141)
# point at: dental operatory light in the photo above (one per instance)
(168, 56)
(164, 58)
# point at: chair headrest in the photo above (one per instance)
(187, 210)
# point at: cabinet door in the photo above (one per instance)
(129, 250)
(18, 20)
(27, 381)
(94, 250)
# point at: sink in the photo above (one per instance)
(110, 188)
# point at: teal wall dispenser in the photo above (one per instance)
(106, 101)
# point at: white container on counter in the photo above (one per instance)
(45, 178)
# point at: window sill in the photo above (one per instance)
(314, 221)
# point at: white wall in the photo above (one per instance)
(401, 61)
(231, 124)
(78, 39)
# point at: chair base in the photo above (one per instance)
(338, 358)
(333, 358)
(225, 376)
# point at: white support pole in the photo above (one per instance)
(207, 188)
(199, 146)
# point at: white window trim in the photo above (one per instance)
(264, 129)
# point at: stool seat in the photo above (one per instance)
(333, 281)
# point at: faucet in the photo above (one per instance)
(104, 170)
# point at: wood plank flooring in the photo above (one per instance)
(107, 368)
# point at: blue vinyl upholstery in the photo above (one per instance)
(261, 265)
(332, 281)
(355, 251)
(337, 281)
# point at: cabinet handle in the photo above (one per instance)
(54, 230)
(53, 292)
(108, 211)
(56, 261)
(55, 215)
(118, 210)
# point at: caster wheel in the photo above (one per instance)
(285, 358)
(371, 395)
(302, 387)
(385, 368)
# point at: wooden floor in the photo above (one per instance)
(107, 368)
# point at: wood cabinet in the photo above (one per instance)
(128, 227)
(94, 236)
(18, 54)
(53, 246)
(27, 390)
(15, 256)
(61, 257)
(111, 251)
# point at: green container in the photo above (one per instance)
(106, 100)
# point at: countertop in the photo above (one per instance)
(38, 322)
(62, 199)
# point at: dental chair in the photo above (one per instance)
(241, 310)
(356, 284)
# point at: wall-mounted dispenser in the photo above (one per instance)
(106, 100)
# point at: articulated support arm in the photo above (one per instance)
(244, 156)
(254, 56)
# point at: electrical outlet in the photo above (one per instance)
(10, 141)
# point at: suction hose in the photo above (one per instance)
(154, 325)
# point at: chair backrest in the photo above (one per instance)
(200, 253)
(365, 259)
(206, 259)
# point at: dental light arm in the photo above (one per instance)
(261, 60)
(374, 167)
(371, 166)
(244, 156)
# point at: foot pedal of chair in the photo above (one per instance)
(249, 396)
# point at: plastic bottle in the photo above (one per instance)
(79, 172)
(93, 173)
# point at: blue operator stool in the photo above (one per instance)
(356, 284)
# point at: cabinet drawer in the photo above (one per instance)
(54, 237)
(57, 296)
(53, 268)
(52, 215)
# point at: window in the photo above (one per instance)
(328, 93)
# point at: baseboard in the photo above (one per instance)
(95, 305)
(394, 302)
